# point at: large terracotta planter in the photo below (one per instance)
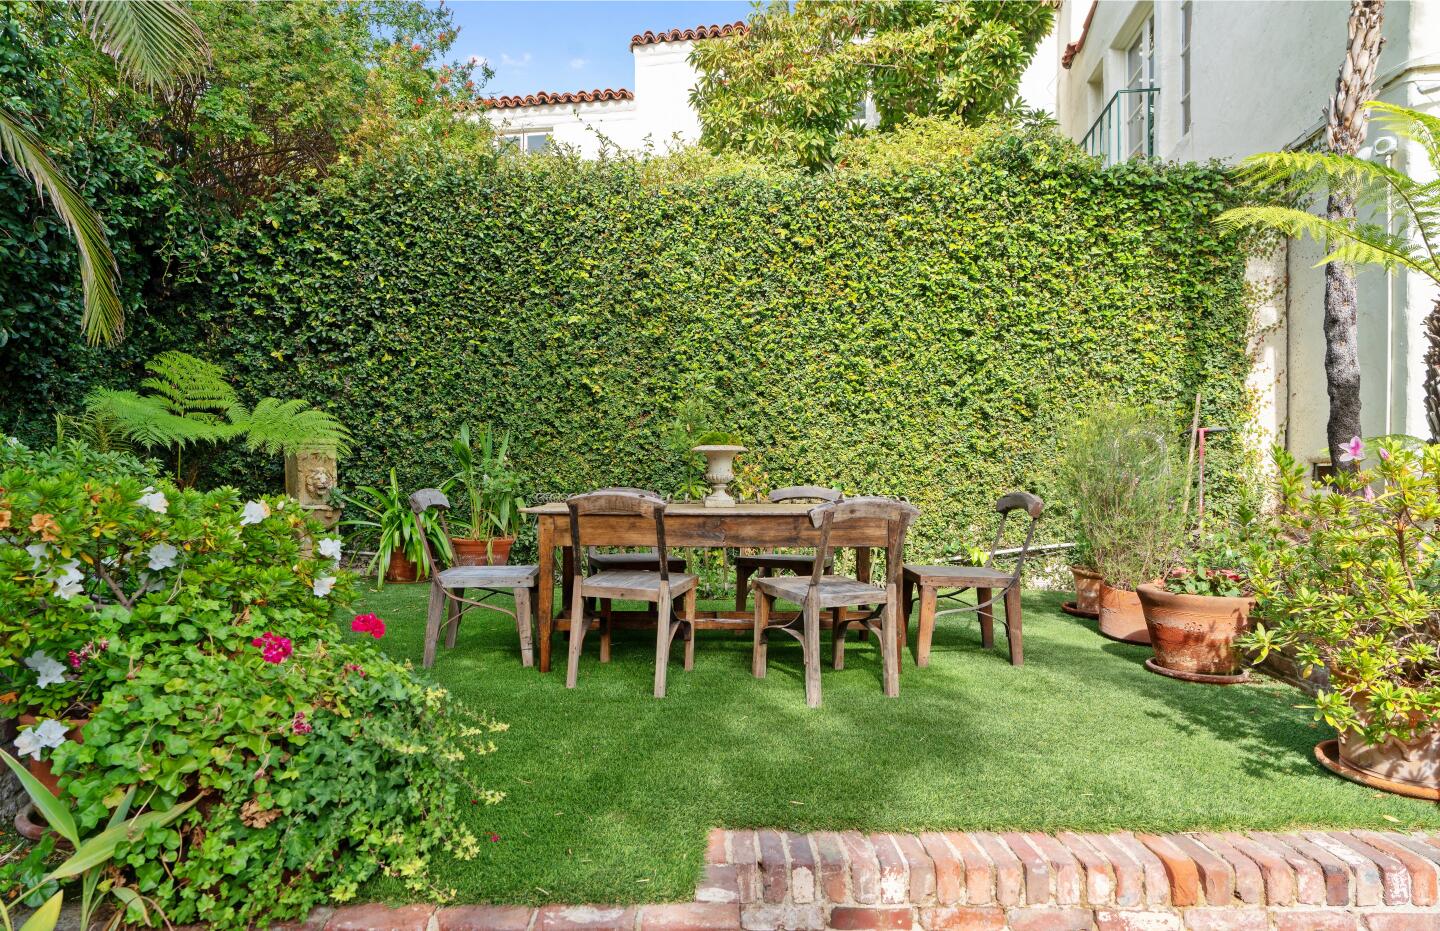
(1195, 634)
(1087, 590)
(401, 569)
(1121, 617)
(1408, 762)
(492, 552)
(41, 769)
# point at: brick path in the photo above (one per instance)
(772, 880)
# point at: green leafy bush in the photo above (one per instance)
(1351, 582)
(196, 633)
(921, 332)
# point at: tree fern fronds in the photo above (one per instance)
(189, 385)
(155, 42)
(277, 426)
(1358, 243)
(103, 318)
(1423, 128)
(98, 429)
(1302, 171)
(149, 422)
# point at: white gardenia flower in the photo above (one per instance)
(38, 552)
(322, 585)
(47, 734)
(70, 582)
(162, 556)
(154, 500)
(254, 512)
(50, 670)
(329, 548)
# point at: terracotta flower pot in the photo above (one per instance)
(41, 769)
(492, 552)
(1411, 762)
(1087, 590)
(401, 569)
(1195, 633)
(1121, 617)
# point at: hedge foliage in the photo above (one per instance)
(917, 332)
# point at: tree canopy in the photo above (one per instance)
(790, 87)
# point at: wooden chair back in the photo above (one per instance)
(897, 515)
(618, 502)
(420, 502)
(1008, 504)
(805, 493)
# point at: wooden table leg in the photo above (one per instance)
(545, 597)
(862, 572)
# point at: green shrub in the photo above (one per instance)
(197, 634)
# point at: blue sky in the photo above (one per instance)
(570, 45)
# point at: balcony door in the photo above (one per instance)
(1139, 106)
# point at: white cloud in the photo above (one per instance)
(509, 62)
(577, 63)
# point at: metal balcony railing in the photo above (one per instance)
(1126, 127)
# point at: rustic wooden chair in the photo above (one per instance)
(448, 587)
(659, 586)
(763, 564)
(930, 580)
(818, 591)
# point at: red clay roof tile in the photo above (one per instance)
(684, 35)
(545, 98)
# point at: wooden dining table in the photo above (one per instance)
(758, 525)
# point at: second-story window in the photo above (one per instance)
(1139, 77)
(1186, 11)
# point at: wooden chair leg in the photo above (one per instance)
(889, 643)
(578, 625)
(663, 632)
(690, 599)
(762, 637)
(606, 619)
(524, 614)
(987, 618)
(433, 613)
(862, 572)
(812, 653)
(452, 614)
(742, 582)
(1013, 631)
(838, 632)
(927, 625)
(907, 598)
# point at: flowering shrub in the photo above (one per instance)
(1351, 582)
(1221, 559)
(196, 632)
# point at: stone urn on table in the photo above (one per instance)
(719, 472)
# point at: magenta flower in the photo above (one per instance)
(1385, 454)
(368, 624)
(273, 647)
(1354, 450)
(299, 725)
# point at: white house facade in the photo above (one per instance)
(1192, 80)
(656, 113)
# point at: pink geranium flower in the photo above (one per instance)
(299, 725)
(368, 624)
(273, 647)
(1353, 451)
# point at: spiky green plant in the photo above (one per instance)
(190, 401)
(156, 43)
(1412, 241)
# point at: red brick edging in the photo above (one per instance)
(773, 880)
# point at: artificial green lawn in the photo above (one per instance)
(611, 792)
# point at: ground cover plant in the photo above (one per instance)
(610, 793)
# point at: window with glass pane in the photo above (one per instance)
(510, 142)
(1186, 10)
(537, 142)
(1140, 74)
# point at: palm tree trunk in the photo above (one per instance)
(1345, 131)
(1432, 372)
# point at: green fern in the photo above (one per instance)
(97, 429)
(189, 385)
(148, 420)
(290, 426)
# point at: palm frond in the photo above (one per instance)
(189, 385)
(149, 422)
(1357, 243)
(103, 318)
(277, 426)
(156, 42)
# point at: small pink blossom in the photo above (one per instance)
(273, 647)
(368, 624)
(299, 725)
(1385, 454)
(494, 838)
(1353, 451)
(355, 668)
(1369, 493)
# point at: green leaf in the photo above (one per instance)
(55, 812)
(47, 916)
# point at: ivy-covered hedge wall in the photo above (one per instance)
(917, 332)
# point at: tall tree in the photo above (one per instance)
(789, 87)
(1346, 121)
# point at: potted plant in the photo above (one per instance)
(388, 520)
(1087, 580)
(1350, 581)
(1196, 614)
(1117, 468)
(490, 496)
(53, 694)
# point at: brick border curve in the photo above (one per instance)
(979, 881)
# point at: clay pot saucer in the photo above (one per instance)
(1071, 609)
(1202, 678)
(1327, 754)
